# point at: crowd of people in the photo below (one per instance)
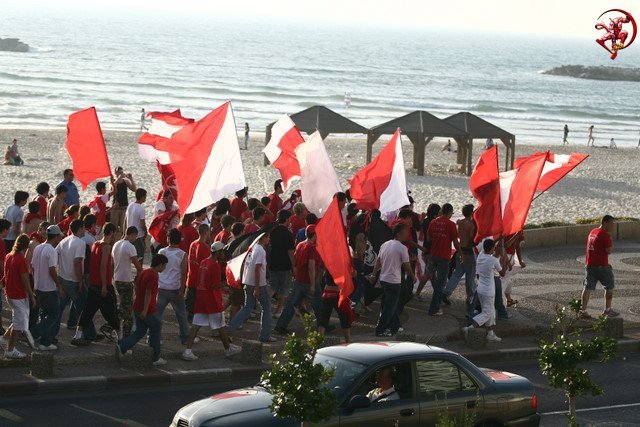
(92, 258)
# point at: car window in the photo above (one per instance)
(437, 378)
(399, 380)
(345, 374)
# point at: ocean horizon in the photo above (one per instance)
(120, 64)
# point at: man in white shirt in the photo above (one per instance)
(47, 286)
(256, 290)
(487, 266)
(136, 217)
(172, 281)
(392, 259)
(385, 390)
(71, 253)
(125, 256)
(14, 214)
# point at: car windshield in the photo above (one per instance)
(346, 372)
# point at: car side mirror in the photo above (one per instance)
(358, 402)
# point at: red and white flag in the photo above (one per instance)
(85, 145)
(205, 158)
(163, 126)
(281, 149)
(319, 179)
(332, 247)
(485, 187)
(556, 167)
(382, 183)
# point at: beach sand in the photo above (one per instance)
(607, 182)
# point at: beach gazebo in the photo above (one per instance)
(322, 119)
(477, 128)
(420, 127)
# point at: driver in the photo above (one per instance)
(385, 390)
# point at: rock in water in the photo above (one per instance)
(13, 45)
(596, 72)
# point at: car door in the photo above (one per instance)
(445, 389)
(404, 412)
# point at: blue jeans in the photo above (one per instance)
(388, 318)
(442, 270)
(166, 297)
(49, 310)
(501, 310)
(150, 323)
(467, 268)
(250, 304)
(300, 292)
(71, 294)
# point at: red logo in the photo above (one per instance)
(615, 31)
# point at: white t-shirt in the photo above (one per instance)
(44, 257)
(122, 252)
(135, 215)
(392, 255)
(13, 214)
(169, 279)
(257, 256)
(70, 248)
(486, 268)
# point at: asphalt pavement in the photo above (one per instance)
(619, 406)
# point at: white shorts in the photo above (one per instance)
(488, 315)
(19, 313)
(213, 320)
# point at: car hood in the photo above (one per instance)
(243, 400)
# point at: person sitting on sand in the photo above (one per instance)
(11, 156)
(612, 144)
(447, 146)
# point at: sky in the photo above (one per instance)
(563, 18)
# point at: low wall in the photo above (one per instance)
(576, 234)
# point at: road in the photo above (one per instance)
(620, 405)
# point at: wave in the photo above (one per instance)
(36, 49)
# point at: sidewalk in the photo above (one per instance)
(552, 276)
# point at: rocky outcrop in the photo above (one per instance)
(596, 73)
(13, 45)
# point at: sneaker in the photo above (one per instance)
(438, 313)
(80, 342)
(400, 329)
(159, 362)
(30, 340)
(281, 331)
(232, 351)
(4, 344)
(465, 332)
(446, 300)
(188, 355)
(14, 354)
(49, 347)
(610, 312)
(584, 315)
(268, 340)
(196, 340)
(492, 337)
(385, 334)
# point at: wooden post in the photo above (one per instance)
(370, 140)
(414, 142)
(461, 153)
(420, 150)
(469, 156)
(267, 138)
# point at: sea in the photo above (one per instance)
(120, 63)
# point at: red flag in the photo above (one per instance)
(517, 188)
(332, 246)
(86, 148)
(485, 187)
(281, 149)
(382, 183)
(168, 180)
(160, 225)
(163, 126)
(556, 167)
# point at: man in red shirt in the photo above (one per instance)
(238, 205)
(258, 215)
(145, 313)
(187, 231)
(42, 198)
(19, 296)
(275, 202)
(307, 266)
(441, 234)
(599, 246)
(226, 222)
(198, 252)
(209, 308)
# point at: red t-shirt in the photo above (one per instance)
(95, 263)
(209, 291)
(147, 280)
(198, 252)
(597, 243)
(238, 208)
(223, 236)
(65, 224)
(3, 256)
(442, 232)
(42, 203)
(305, 252)
(251, 228)
(216, 226)
(189, 235)
(296, 223)
(276, 203)
(15, 265)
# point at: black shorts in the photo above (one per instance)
(328, 305)
(236, 296)
(190, 299)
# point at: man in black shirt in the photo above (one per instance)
(280, 260)
(123, 182)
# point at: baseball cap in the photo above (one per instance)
(311, 229)
(217, 246)
(54, 229)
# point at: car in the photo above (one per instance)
(428, 381)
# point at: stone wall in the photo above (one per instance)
(576, 234)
